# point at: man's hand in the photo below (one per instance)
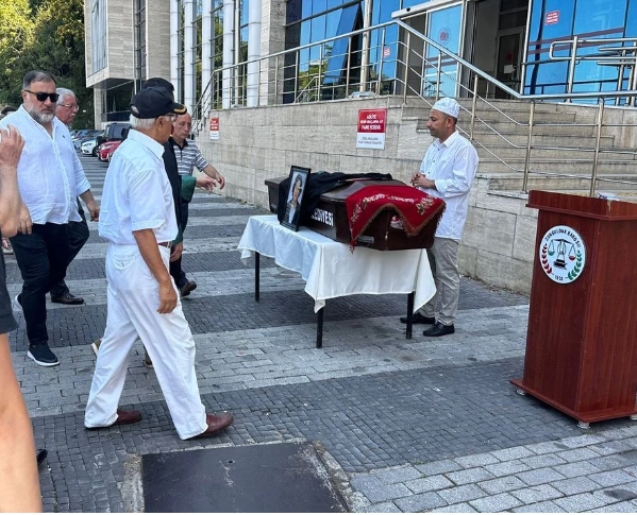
(94, 210)
(418, 180)
(213, 173)
(176, 251)
(207, 183)
(24, 220)
(11, 144)
(167, 298)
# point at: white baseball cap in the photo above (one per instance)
(448, 106)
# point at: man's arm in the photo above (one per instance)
(19, 482)
(149, 250)
(14, 216)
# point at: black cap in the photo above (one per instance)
(154, 102)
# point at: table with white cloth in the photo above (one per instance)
(332, 270)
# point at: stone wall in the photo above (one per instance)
(263, 142)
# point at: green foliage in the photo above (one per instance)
(45, 35)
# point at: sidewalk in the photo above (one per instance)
(402, 425)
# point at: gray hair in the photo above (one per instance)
(141, 123)
(37, 76)
(63, 92)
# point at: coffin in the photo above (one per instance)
(330, 219)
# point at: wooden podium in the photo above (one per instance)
(581, 348)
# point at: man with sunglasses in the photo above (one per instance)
(65, 109)
(50, 178)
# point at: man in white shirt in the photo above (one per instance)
(138, 220)
(447, 171)
(65, 109)
(50, 177)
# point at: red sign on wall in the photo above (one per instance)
(371, 128)
(552, 17)
(214, 128)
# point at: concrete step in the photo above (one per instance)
(513, 182)
(546, 153)
(569, 166)
(489, 139)
(542, 129)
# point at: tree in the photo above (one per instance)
(44, 35)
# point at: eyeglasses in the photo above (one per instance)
(74, 107)
(42, 96)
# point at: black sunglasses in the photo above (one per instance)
(42, 96)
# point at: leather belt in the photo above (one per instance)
(165, 244)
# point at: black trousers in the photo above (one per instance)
(175, 266)
(77, 233)
(42, 258)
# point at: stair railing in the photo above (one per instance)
(282, 77)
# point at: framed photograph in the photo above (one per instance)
(298, 181)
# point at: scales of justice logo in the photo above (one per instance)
(562, 254)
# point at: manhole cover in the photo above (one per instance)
(281, 478)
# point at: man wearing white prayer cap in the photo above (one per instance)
(447, 171)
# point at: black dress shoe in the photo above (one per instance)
(419, 319)
(67, 298)
(40, 455)
(439, 329)
(187, 288)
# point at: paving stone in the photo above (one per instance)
(474, 475)
(576, 469)
(541, 507)
(456, 508)
(612, 478)
(460, 494)
(581, 502)
(502, 484)
(427, 484)
(535, 494)
(420, 502)
(540, 476)
(477, 460)
(399, 475)
(384, 507)
(507, 468)
(438, 467)
(574, 486)
(495, 503)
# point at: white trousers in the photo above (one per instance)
(132, 300)
(443, 256)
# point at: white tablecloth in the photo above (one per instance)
(331, 270)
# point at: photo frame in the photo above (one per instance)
(298, 180)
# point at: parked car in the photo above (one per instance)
(79, 139)
(89, 147)
(116, 131)
(106, 149)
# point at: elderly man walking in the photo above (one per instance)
(188, 158)
(447, 171)
(50, 177)
(138, 220)
(65, 109)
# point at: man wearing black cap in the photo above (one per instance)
(138, 220)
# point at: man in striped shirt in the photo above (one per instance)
(189, 157)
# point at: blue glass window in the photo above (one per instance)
(337, 62)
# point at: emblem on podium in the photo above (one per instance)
(562, 254)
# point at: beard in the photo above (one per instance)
(39, 117)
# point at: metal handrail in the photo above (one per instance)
(279, 66)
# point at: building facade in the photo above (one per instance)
(526, 44)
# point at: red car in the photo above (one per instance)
(107, 148)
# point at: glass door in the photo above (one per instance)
(442, 21)
(444, 26)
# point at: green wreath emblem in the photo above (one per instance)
(577, 269)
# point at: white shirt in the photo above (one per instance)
(452, 165)
(137, 194)
(50, 175)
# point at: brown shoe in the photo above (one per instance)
(123, 418)
(216, 423)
